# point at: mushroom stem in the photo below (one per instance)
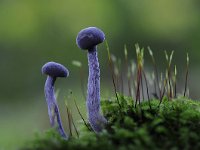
(97, 121)
(53, 110)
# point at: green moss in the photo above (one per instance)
(173, 125)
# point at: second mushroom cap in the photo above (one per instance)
(89, 37)
(55, 70)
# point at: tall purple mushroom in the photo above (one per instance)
(88, 39)
(54, 70)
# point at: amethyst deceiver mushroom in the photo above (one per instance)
(54, 70)
(88, 39)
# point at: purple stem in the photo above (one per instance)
(53, 110)
(96, 120)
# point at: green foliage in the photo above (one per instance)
(172, 125)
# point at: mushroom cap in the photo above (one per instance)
(55, 70)
(89, 37)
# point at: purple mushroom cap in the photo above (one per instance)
(89, 37)
(55, 70)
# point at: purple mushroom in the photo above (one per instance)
(54, 70)
(88, 39)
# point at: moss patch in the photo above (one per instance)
(173, 125)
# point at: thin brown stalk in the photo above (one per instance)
(69, 119)
(156, 72)
(175, 75)
(163, 91)
(132, 78)
(121, 77)
(117, 80)
(127, 70)
(169, 83)
(112, 74)
(74, 125)
(167, 91)
(175, 90)
(147, 88)
(140, 54)
(155, 91)
(115, 71)
(142, 87)
(138, 87)
(169, 74)
(81, 114)
(186, 80)
(186, 75)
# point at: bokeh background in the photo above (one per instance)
(33, 32)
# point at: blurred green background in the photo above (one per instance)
(33, 32)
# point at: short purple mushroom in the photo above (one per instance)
(54, 70)
(88, 39)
